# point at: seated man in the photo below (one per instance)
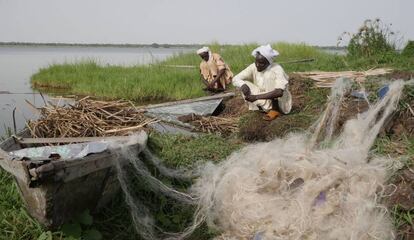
(214, 71)
(264, 84)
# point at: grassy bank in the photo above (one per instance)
(158, 82)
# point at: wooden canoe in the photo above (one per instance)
(55, 190)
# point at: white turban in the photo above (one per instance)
(266, 51)
(202, 50)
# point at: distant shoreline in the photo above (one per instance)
(127, 45)
(153, 45)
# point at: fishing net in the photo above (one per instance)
(302, 186)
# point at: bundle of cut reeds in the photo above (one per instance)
(88, 118)
(213, 124)
(327, 79)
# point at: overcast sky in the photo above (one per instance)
(316, 22)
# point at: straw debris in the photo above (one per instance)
(88, 118)
(327, 79)
(212, 124)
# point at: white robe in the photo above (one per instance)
(263, 82)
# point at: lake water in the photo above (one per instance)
(18, 63)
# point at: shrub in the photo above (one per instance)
(374, 38)
(409, 49)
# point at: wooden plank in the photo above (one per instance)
(68, 140)
(16, 168)
(222, 95)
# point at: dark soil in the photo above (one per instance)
(401, 201)
(234, 107)
(307, 103)
(404, 193)
(350, 109)
(298, 88)
(402, 123)
(405, 75)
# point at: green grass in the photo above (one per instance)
(15, 223)
(179, 151)
(140, 83)
(157, 82)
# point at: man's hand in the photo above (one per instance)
(204, 81)
(245, 90)
(251, 98)
(211, 85)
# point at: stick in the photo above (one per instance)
(409, 108)
(68, 140)
(131, 128)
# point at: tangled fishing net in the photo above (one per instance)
(304, 186)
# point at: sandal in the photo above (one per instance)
(271, 115)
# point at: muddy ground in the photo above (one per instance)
(401, 202)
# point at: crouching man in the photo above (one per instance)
(264, 84)
(215, 73)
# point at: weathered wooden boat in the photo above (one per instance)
(60, 181)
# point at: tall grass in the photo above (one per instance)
(136, 83)
(161, 82)
(15, 223)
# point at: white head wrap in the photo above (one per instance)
(202, 50)
(266, 51)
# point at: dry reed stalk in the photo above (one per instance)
(214, 124)
(327, 79)
(88, 118)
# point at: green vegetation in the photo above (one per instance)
(161, 82)
(374, 38)
(375, 44)
(178, 151)
(140, 83)
(15, 223)
(408, 50)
